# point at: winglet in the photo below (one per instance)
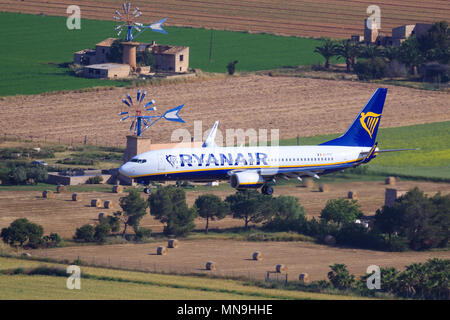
(209, 142)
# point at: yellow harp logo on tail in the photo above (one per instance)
(369, 121)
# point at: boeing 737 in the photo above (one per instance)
(260, 166)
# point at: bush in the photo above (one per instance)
(52, 240)
(23, 233)
(94, 180)
(231, 67)
(85, 233)
(374, 68)
(356, 234)
(102, 230)
(143, 233)
(340, 278)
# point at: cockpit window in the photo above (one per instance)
(139, 160)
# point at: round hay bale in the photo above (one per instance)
(280, 268)
(304, 278)
(329, 239)
(77, 197)
(210, 265)
(117, 189)
(101, 215)
(324, 188)
(258, 256)
(309, 183)
(390, 180)
(108, 204)
(61, 188)
(162, 251)
(26, 254)
(48, 194)
(173, 243)
(352, 194)
(97, 203)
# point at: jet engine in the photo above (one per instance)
(244, 179)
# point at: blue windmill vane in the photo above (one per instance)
(127, 18)
(142, 122)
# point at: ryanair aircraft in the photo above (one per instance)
(255, 167)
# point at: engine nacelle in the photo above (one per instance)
(241, 180)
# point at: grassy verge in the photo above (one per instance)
(16, 282)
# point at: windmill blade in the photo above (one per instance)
(136, 10)
(138, 24)
(157, 26)
(146, 123)
(149, 103)
(138, 14)
(132, 124)
(124, 118)
(124, 8)
(118, 27)
(125, 101)
(118, 13)
(138, 95)
(118, 34)
(129, 98)
(122, 113)
(151, 109)
(143, 96)
(172, 114)
(128, 7)
(137, 28)
(116, 18)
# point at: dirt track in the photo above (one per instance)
(293, 105)
(330, 18)
(63, 216)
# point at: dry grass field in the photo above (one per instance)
(301, 106)
(234, 258)
(306, 18)
(62, 215)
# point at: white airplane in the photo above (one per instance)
(255, 167)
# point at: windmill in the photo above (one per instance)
(140, 121)
(127, 19)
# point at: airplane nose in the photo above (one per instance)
(125, 169)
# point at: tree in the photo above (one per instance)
(52, 240)
(250, 205)
(388, 220)
(116, 52)
(168, 205)
(85, 233)
(210, 206)
(435, 45)
(409, 53)
(327, 50)
(341, 211)
(102, 230)
(374, 68)
(370, 52)
(23, 232)
(390, 53)
(348, 50)
(231, 67)
(145, 58)
(288, 215)
(134, 209)
(18, 175)
(340, 278)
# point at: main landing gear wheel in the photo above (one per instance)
(147, 190)
(267, 190)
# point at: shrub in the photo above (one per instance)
(374, 68)
(340, 278)
(102, 230)
(52, 240)
(143, 233)
(85, 233)
(95, 180)
(231, 67)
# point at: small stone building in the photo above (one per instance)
(94, 56)
(107, 70)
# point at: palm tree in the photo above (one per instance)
(348, 50)
(327, 50)
(370, 51)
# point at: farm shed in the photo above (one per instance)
(107, 70)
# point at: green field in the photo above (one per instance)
(38, 44)
(431, 161)
(101, 283)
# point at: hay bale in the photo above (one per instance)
(26, 254)
(210, 265)
(101, 215)
(280, 268)
(304, 278)
(173, 243)
(108, 204)
(162, 251)
(61, 188)
(309, 183)
(48, 194)
(324, 188)
(352, 195)
(257, 256)
(77, 197)
(96, 203)
(329, 239)
(390, 180)
(117, 189)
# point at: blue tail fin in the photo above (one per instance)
(363, 131)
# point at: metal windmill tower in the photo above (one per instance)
(140, 121)
(128, 22)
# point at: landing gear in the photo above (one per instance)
(147, 190)
(267, 190)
